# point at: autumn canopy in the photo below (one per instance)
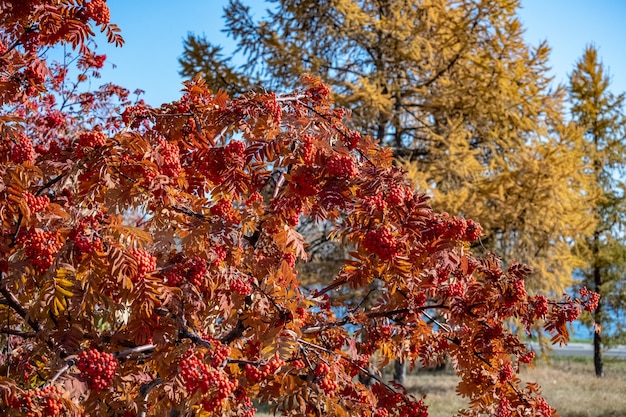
(149, 256)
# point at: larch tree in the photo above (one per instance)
(453, 89)
(600, 114)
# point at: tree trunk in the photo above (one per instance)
(399, 371)
(597, 355)
(597, 345)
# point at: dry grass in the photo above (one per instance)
(569, 385)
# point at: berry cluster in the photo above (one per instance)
(290, 258)
(270, 104)
(195, 373)
(504, 408)
(40, 248)
(91, 139)
(374, 203)
(54, 119)
(134, 116)
(380, 333)
(193, 269)
(542, 408)
(405, 407)
(45, 401)
(241, 287)
(445, 226)
(381, 242)
(318, 90)
(211, 164)
(254, 198)
(219, 253)
(146, 263)
(506, 373)
(456, 289)
(97, 368)
(590, 299)
(198, 376)
(308, 149)
(224, 209)
(256, 374)
(540, 306)
(220, 353)
(36, 204)
(304, 183)
(170, 159)
(85, 238)
(235, 151)
(23, 151)
(527, 357)
(244, 403)
(288, 208)
(398, 194)
(342, 167)
(98, 11)
(353, 139)
(326, 384)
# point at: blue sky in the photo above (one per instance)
(154, 31)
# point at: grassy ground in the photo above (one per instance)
(569, 385)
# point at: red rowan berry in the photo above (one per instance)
(241, 287)
(329, 386)
(54, 119)
(540, 305)
(396, 195)
(92, 139)
(235, 149)
(542, 408)
(374, 203)
(23, 151)
(473, 231)
(342, 167)
(527, 357)
(254, 374)
(381, 242)
(224, 209)
(170, 159)
(146, 263)
(97, 368)
(322, 369)
(590, 299)
(219, 255)
(36, 204)
(290, 258)
(504, 408)
(98, 11)
(304, 183)
(40, 248)
(353, 140)
(307, 149)
(506, 372)
(220, 354)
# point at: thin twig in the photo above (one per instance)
(19, 333)
(138, 349)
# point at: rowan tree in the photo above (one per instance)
(600, 114)
(466, 104)
(148, 261)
